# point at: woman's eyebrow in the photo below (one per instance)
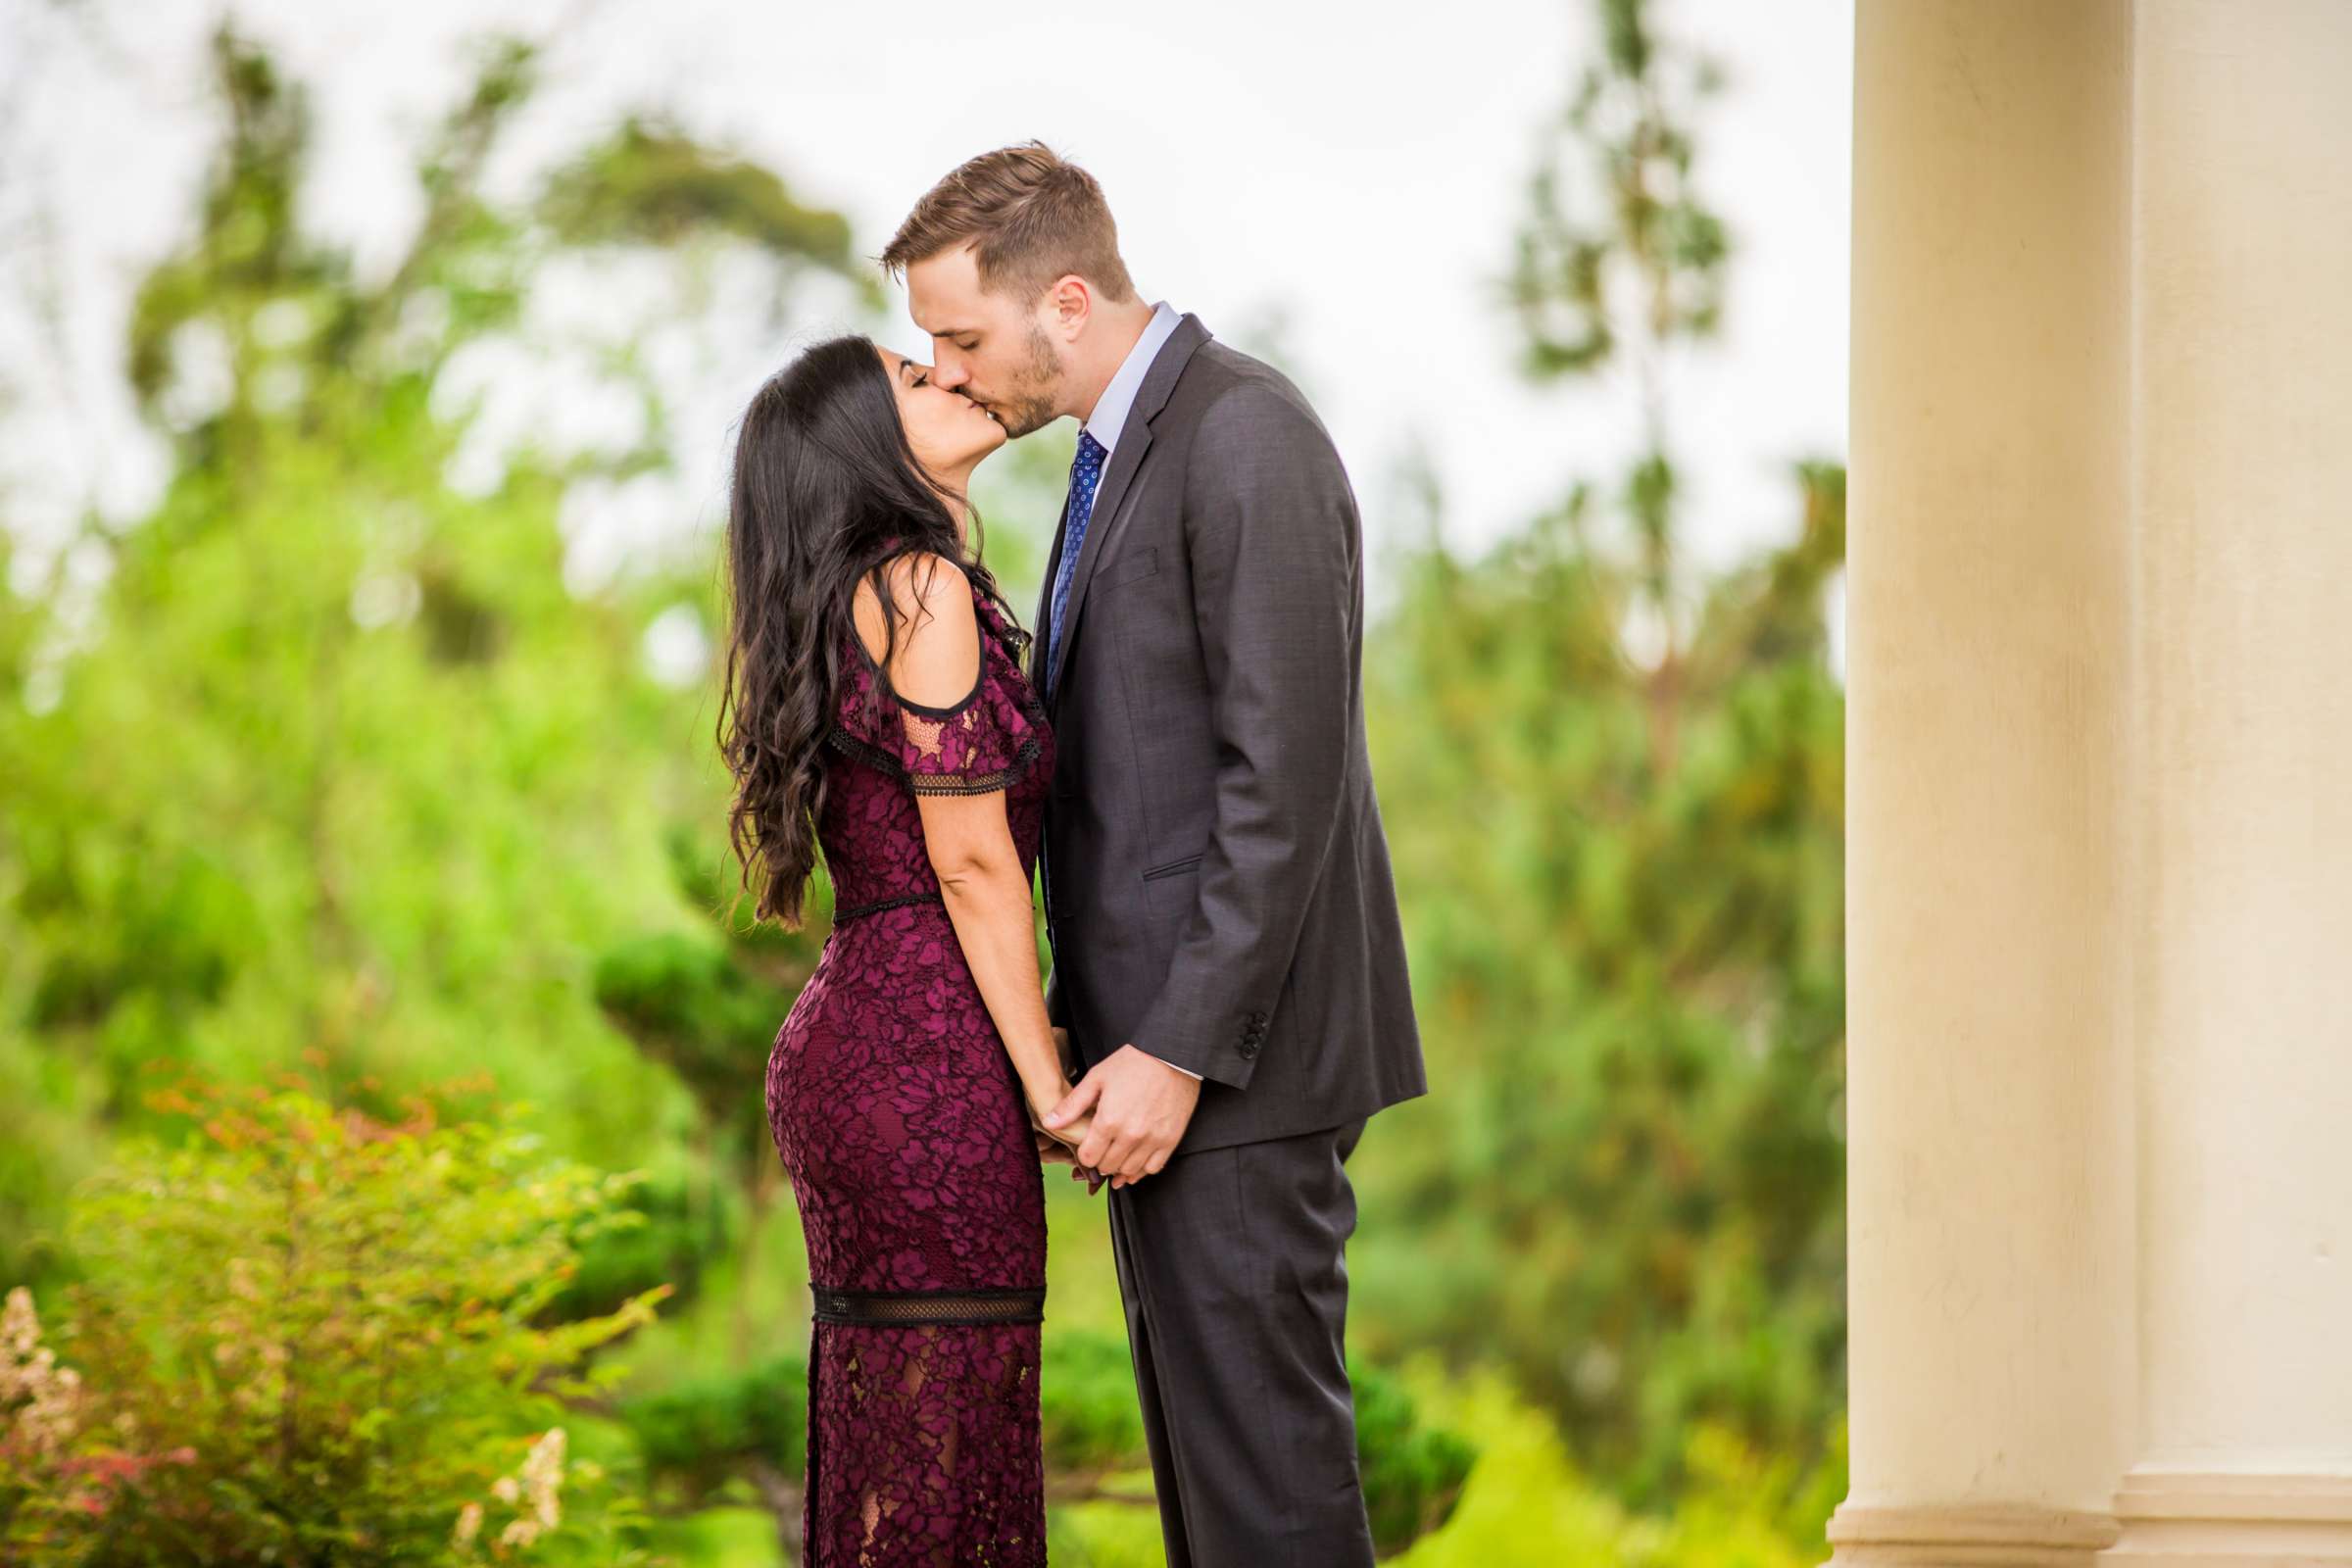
(904, 364)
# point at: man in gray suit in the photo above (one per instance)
(1227, 957)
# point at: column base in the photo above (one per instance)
(2218, 1519)
(1967, 1534)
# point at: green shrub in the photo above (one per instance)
(305, 1335)
(1412, 1472)
(1086, 1393)
(702, 1431)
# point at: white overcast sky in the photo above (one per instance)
(1359, 167)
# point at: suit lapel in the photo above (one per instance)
(1117, 478)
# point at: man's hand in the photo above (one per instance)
(1140, 1108)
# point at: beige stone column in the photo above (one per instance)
(2100, 784)
(1989, 1107)
(2242, 283)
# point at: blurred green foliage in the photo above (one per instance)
(275, 1361)
(332, 764)
(1529, 1507)
(705, 1434)
(1614, 786)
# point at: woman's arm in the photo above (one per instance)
(971, 849)
(967, 837)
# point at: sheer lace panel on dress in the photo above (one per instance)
(920, 1495)
(958, 753)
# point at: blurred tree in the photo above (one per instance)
(338, 762)
(1614, 790)
(336, 757)
(327, 750)
(708, 1005)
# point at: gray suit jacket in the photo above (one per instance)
(1217, 883)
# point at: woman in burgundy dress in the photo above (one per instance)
(876, 710)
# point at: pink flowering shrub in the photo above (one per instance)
(303, 1335)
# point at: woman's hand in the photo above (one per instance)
(1070, 1137)
(1062, 1148)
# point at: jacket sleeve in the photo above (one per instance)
(1058, 1009)
(1273, 539)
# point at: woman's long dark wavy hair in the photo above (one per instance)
(825, 491)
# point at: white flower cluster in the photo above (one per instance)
(38, 1397)
(532, 1490)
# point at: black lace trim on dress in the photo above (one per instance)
(880, 905)
(874, 756)
(862, 751)
(930, 1308)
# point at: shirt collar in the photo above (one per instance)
(1112, 407)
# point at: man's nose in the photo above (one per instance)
(950, 372)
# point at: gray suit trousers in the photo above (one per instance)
(1232, 1263)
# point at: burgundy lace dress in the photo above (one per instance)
(900, 1118)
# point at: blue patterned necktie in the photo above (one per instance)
(1085, 472)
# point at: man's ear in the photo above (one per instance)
(1073, 302)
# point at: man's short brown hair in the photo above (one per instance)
(1032, 217)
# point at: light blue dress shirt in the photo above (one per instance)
(1110, 416)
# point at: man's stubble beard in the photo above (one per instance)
(1033, 388)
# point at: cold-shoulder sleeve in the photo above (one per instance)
(981, 744)
(987, 741)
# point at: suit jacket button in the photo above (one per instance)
(1248, 1049)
